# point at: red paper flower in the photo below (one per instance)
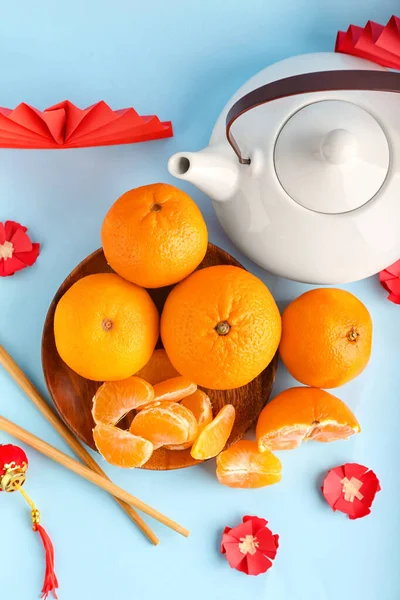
(250, 546)
(390, 279)
(351, 489)
(16, 249)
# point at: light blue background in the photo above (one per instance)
(181, 60)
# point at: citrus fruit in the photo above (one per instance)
(165, 423)
(105, 328)
(243, 466)
(121, 448)
(214, 436)
(326, 337)
(199, 404)
(159, 368)
(115, 399)
(174, 389)
(154, 235)
(220, 327)
(304, 413)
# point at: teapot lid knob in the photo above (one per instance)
(339, 146)
(331, 156)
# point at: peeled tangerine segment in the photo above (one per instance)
(303, 413)
(164, 423)
(121, 448)
(115, 399)
(243, 466)
(159, 368)
(200, 405)
(173, 390)
(214, 435)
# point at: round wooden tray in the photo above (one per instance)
(72, 394)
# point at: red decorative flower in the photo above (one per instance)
(351, 488)
(250, 546)
(16, 249)
(390, 279)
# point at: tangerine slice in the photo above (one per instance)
(184, 446)
(214, 435)
(159, 368)
(121, 448)
(115, 399)
(165, 423)
(243, 466)
(304, 413)
(173, 390)
(199, 404)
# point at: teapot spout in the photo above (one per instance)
(212, 170)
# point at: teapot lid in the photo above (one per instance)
(331, 156)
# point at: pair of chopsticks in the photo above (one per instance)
(93, 471)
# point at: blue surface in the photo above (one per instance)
(182, 61)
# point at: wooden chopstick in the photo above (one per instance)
(27, 386)
(73, 465)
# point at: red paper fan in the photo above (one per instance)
(390, 280)
(351, 489)
(250, 547)
(375, 42)
(65, 125)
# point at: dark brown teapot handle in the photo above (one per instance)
(322, 81)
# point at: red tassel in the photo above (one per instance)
(50, 579)
(13, 466)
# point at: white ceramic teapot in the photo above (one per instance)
(309, 185)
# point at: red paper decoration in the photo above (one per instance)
(351, 489)
(64, 125)
(390, 280)
(249, 547)
(378, 43)
(16, 249)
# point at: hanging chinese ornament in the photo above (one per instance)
(13, 467)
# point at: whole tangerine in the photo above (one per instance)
(154, 235)
(326, 337)
(220, 327)
(105, 328)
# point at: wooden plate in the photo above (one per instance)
(72, 394)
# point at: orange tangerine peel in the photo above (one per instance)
(303, 413)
